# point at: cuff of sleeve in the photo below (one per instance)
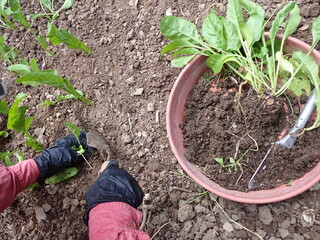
(114, 218)
(27, 172)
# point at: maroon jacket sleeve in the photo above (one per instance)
(116, 221)
(15, 179)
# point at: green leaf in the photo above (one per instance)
(300, 86)
(16, 119)
(58, 36)
(33, 143)
(280, 17)
(62, 175)
(246, 33)
(284, 64)
(74, 129)
(4, 107)
(50, 77)
(59, 98)
(181, 61)
(34, 65)
(231, 36)
(310, 69)
(232, 161)
(6, 52)
(47, 4)
(292, 22)
(17, 13)
(174, 45)
(234, 12)
(33, 185)
(2, 4)
(316, 30)
(175, 28)
(215, 62)
(256, 18)
(6, 157)
(219, 161)
(213, 31)
(67, 4)
(43, 43)
(19, 69)
(19, 155)
(4, 134)
(39, 15)
(186, 51)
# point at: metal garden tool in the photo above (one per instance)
(95, 140)
(289, 140)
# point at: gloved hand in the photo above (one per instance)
(60, 156)
(113, 185)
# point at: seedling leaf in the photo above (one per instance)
(17, 13)
(213, 31)
(67, 4)
(4, 107)
(316, 30)
(58, 36)
(4, 134)
(33, 143)
(177, 28)
(219, 161)
(6, 157)
(181, 61)
(62, 175)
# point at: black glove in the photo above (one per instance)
(113, 185)
(60, 156)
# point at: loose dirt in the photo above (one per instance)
(222, 125)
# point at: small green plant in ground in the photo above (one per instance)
(235, 42)
(30, 74)
(49, 7)
(80, 149)
(232, 165)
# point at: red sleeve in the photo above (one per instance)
(15, 179)
(115, 220)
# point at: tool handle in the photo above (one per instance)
(304, 115)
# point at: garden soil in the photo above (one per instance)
(129, 84)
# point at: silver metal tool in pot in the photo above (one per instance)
(289, 140)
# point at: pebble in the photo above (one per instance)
(265, 215)
(284, 233)
(228, 227)
(40, 214)
(46, 207)
(138, 92)
(130, 80)
(150, 107)
(185, 212)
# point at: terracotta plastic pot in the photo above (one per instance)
(175, 114)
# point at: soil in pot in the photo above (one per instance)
(217, 126)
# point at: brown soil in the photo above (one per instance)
(216, 126)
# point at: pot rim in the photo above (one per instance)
(175, 115)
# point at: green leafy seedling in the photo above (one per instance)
(49, 9)
(6, 157)
(62, 175)
(6, 53)
(58, 36)
(232, 163)
(79, 149)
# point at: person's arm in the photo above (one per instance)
(15, 179)
(116, 220)
(112, 201)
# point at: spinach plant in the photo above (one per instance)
(30, 74)
(48, 8)
(240, 44)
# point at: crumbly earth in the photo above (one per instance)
(126, 44)
(223, 126)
